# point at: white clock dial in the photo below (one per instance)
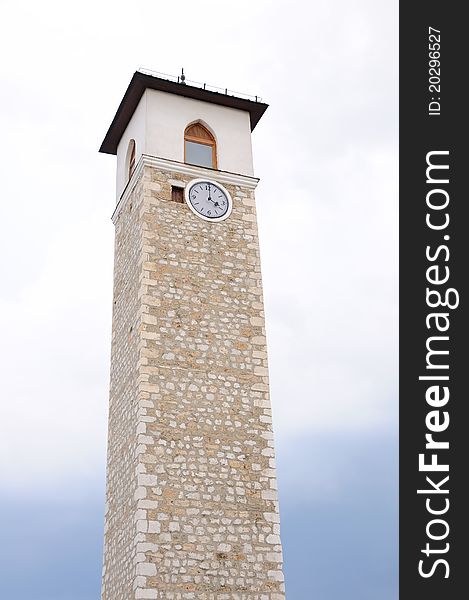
(208, 199)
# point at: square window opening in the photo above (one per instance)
(177, 194)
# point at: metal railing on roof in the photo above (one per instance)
(204, 86)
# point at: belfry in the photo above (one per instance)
(192, 509)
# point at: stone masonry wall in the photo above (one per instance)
(122, 462)
(193, 509)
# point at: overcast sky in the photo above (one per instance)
(326, 153)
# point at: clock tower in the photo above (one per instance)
(192, 509)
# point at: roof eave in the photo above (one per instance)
(141, 81)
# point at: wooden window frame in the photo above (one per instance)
(132, 159)
(209, 141)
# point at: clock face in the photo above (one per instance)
(208, 199)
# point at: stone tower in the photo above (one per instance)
(192, 509)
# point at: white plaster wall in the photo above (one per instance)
(136, 130)
(168, 115)
(158, 125)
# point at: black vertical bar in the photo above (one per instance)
(434, 253)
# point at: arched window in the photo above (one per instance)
(130, 159)
(199, 146)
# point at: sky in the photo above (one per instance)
(326, 155)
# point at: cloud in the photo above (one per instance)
(338, 500)
(52, 544)
(331, 298)
(56, 346)
(339, 521)
(326, 154)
